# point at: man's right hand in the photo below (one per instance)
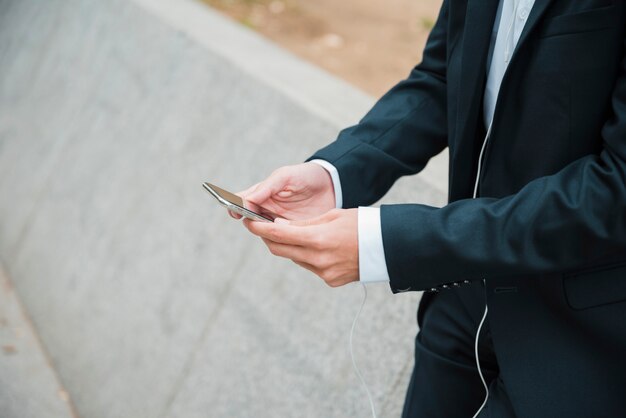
(293, 192)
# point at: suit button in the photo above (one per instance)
(434, 290)
(445, 286)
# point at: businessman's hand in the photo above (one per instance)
(326, 245)
(293, 192)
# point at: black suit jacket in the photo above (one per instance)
(548, 229)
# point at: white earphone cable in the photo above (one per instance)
(480, 373)
(356, 368)
(482, 321)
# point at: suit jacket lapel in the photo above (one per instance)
(480, 17)
(536, 13)
(479, 21)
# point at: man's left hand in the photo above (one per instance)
(327, 245)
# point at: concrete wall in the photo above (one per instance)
(149, 300)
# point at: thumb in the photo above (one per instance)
(249, 190)
(266, 189)
(260, 194)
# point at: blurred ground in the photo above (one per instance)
(369, 43)
(29, 386)
(145, 299)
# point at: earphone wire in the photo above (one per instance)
(482, 321)
(480, 373)
(356, 368)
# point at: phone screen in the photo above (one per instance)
(236, 204)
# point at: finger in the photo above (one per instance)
(258, 197)
(318, 220)
(281, 233)
(249, 190)
(247, 204)
(335, 282)
(309, 267)
(266, 189)
(252, 206)
(293, 252)
(233, 214)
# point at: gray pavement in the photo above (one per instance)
(148, 300)
(29, 387)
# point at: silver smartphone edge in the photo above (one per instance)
(235, 208)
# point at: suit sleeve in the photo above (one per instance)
(555, 223)
(403, 130)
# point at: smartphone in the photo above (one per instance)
(235, 204)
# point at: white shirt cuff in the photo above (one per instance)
(372, 263)
(334, 175)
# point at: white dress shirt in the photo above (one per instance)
(507, 29)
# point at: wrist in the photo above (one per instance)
(332, 181)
